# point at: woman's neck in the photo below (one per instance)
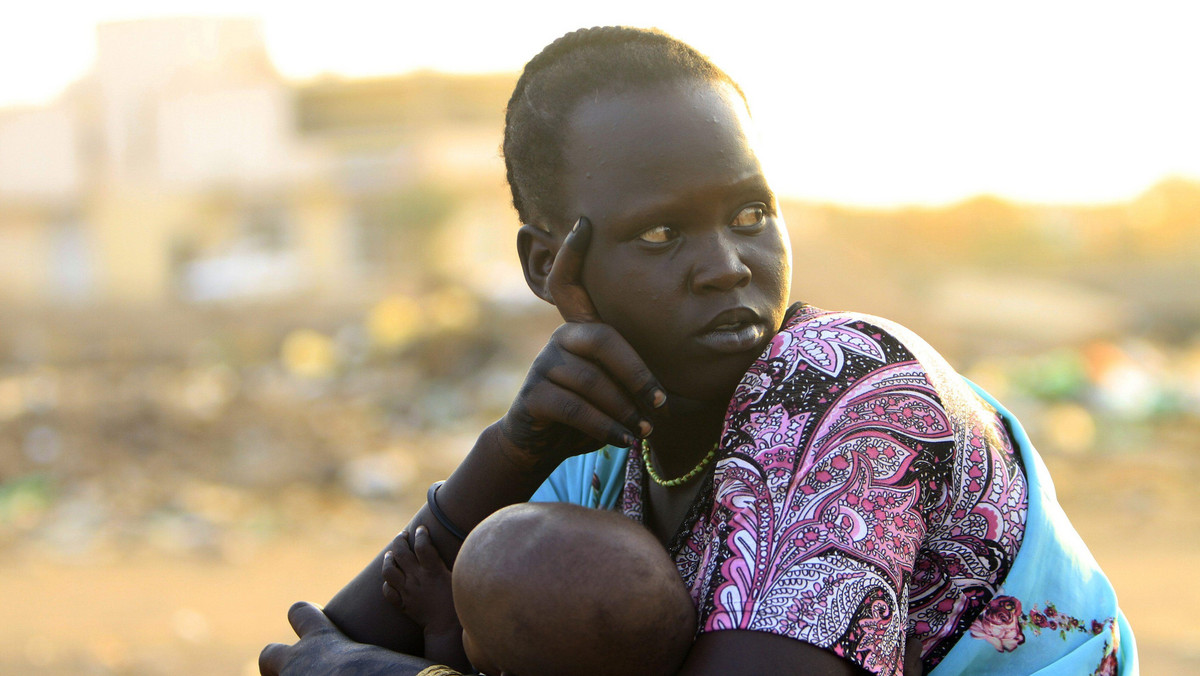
(685, 434)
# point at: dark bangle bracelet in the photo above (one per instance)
(431, 500)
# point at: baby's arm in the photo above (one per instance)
(417, 582)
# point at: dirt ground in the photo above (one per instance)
(171, 481)
(192, 512)
(153, 612)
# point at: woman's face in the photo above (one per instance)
(689, 256)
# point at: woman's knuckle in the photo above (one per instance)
(538, 403)
(604, 335)
(566, 331)
(572, 409)
(532, 394)
(589, 379)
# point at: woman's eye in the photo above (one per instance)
(750, 216)
(659, 234)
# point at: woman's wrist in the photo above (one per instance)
(523, 460)
(443, 630)
(494, 474)
(434, 509)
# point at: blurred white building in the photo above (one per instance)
(184, 167)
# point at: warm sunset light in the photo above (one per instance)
(262, 283)
(864, 103)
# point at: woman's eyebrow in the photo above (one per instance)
(753, 183)
(649, 210)
(760, 183)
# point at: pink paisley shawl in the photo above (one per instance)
(863, 497)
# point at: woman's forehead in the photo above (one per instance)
(632, 149)
(656, 124)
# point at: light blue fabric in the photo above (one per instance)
(1054, 567)
(594, 480)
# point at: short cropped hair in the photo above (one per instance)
(586, 62)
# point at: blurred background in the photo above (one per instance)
(258, 283)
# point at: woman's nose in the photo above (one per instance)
(719, 266)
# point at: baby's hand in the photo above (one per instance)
(417, 582)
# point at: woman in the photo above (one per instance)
(857, 501)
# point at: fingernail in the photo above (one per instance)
(629, 440)
(645, 428)
(659, 398)
(421, 529)
(577, 222)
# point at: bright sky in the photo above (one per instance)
(868, 103)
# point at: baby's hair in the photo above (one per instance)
(582, 63)
(551, 589)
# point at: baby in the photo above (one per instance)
(546, 589)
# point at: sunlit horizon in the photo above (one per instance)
(866, 105)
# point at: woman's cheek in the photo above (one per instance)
(774, 269)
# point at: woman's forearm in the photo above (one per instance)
(362, 613)
(492, 476)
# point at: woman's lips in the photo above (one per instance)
(733, 337)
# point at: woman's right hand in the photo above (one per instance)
(323, 650)
(587, 387)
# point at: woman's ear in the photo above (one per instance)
(537, 249)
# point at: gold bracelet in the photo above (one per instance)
(439, 670)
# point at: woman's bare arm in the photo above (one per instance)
(488, 478)
(735, 652)
(323, 651)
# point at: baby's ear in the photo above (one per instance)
(537, 248)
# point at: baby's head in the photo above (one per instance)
(549, 589)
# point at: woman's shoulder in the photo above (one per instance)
(824, 338)
(832, 364)
(851, 329)
(858, 411)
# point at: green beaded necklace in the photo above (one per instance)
(671, 483)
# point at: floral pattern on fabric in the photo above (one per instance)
(1003, 624)
(850, 506)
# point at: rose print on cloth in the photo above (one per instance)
(1003, 624)
(1000, 624)
(1108, 665)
